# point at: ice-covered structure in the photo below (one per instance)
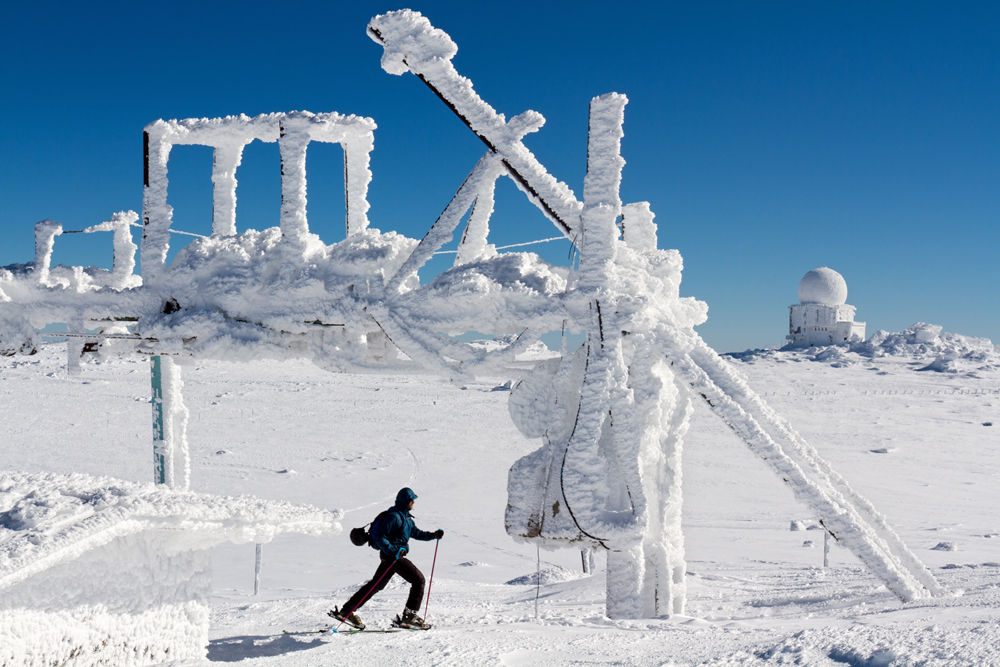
(97, 571)
(822, 316)
(611, 415)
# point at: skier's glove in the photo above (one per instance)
(402, 552)
(438, 534)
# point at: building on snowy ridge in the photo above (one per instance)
(98, 571)
(822, 316)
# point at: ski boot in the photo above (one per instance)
(351, 619)
(410, 621)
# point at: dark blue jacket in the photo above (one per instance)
(397, 527)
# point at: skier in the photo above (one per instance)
(391, 535)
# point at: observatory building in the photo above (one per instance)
(822, 316)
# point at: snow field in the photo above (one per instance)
(290, 431)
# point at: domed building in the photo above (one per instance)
(822, 316)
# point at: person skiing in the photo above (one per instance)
(391, 533)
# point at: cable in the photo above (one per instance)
(175, 231)
(513, 245)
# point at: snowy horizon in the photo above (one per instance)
(769, 141)
(918, 444)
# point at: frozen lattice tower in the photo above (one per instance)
(611, 415)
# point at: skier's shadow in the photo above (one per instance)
(234, 649)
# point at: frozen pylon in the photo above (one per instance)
(613, 415)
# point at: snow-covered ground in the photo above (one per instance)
(915, 442)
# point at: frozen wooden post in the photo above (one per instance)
(826, 548)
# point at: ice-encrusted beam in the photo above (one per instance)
(440, 233)
(477, 230)
(412, 44)
(851, 518)
(792, 445)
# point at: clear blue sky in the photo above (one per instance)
(770, 137)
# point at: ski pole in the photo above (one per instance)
(365, 598)
(430, 583)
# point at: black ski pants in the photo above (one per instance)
(405, 568)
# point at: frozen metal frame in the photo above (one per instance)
(608, 474)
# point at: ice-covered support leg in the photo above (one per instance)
(258, 559)
(443, 228)
(156, 213)
(809, 478)
(159, 446)
(626, 572)
(46, 232)
(292, 144)
(226, 159)
(171, 459)
(807, 457)
(357, 177)
(666, 410)
(473, 243)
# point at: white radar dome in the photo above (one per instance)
(823, 285)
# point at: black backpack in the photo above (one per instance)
(362, 536)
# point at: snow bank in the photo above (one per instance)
(91, 635)
(46, 519)
(101, 571)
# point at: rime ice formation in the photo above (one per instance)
(97, 571)
(822, 316)
(611, 415)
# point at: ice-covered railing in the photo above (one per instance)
(228, 136)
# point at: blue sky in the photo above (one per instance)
(771, 138)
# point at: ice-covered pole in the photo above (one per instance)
(156, 213)
(292, 143)
(46, 232)
(412, 44)
(171, 460)
(225, 160)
